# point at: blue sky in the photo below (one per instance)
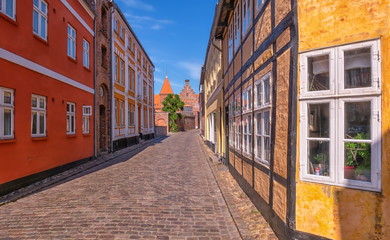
(174, 34)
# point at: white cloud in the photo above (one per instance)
(193, 69)
(153, 23)
(138, 5)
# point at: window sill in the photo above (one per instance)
(37, 37)
(39, 138)
(72, 135)
(9, 19)
(86, 134)
(72, 59)
(87, 68)
(7, 140)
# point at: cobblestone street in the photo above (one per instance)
(162, 192)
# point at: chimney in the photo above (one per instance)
(187, 82)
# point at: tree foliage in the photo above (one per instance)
(172, 104)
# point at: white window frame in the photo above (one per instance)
(38, 110)
(337, 96)
(87, 112)
(86, 53)
(116, 111)
(116, 68)
(261, 108)
(4, 6)
(247, 134)
(70, 118)
(42, 18)
(248, 96)
(237, 141)
(122, 64)
(72, 36)
(6, 106)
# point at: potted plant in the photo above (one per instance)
(357, 162)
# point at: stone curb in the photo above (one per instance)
(55, 179)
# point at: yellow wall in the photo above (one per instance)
(329, 211)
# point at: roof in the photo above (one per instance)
(166, 87)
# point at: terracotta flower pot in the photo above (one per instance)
(348, 172)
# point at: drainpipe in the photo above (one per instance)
(112, 82)
(94, 84)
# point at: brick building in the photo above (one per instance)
(133, 85)
(103, 81)
(191, 106)
(162, 118)
(46, 88)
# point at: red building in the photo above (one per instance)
(46, 88)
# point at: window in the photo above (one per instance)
(40, 18)
(145, 86)
(6, 113)
(70, 118)
(116, 111)
(232, 126)
(122, 112)
(259, 3)
(247, 100)
(263, 119)
(8, 8)
(150, 94)
(150, 118)
(122, 33)
(131, 79)
(85, 53)
(116, 25)
(71, 42)
(237, 131)
(145, 118)
(130, 112)
(237, 28)
(230, 44)
(246, 15)
(38, 116)
(340, 123)
(122, 71)
(247, 134)
(87, 112)
(116, 68)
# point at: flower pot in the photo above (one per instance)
(349, 172)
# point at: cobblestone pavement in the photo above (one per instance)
(248, 219)
(166, 191)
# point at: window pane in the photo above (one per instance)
(318, 120)
(36, 3)
(318, 73)
(258, 146)
(42, 103)
(34, 102)
(267, 91)
(357, 120)
(34, 123)
(9, 9)
(266, 120)
(318, 161)
(35, 21)
(43, 27)
(357, 164)
(357, 64)
(267, 149)
(7, 97)
(41, 123)
(259, 127)
(7, 122)
(43, 8)
(72, 123)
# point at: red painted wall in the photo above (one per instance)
(25, 155)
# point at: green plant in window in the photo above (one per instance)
(358, 154)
